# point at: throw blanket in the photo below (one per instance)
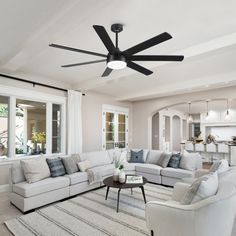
(94, 176)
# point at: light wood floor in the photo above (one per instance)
(8, 211)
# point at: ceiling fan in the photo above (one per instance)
(117, 59)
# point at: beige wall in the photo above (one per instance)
(144, 110)
(92, 119)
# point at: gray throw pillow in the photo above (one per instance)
(56, 167)
(164, 159)
(191, 192)
(174, 161)
(70, 165)
(136, 157)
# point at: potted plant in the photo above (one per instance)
(116, 171)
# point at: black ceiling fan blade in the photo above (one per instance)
(76, 50)
(148, 43)
(138, 68)
(156, 58)
(107, 72)
(84, 63)
(103, 35)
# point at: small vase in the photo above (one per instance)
(116, 174)
(122, 177)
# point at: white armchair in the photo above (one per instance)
(213, 216)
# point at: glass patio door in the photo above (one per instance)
(115, 129)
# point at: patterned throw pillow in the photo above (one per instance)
(136, 157)
(174, 161)
(56, 167)
(164, 159)
(70, 165)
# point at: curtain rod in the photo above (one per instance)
(35, 83)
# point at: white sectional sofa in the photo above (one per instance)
(27, 196)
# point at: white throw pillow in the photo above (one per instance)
(84, 165)
(35, 169)
(189, 161)
(123, 156)
(208, 187)
(224, 166)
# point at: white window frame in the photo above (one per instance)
(119, 110)
(13, 94)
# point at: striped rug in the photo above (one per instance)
(90, 214)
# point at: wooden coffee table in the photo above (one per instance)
(112, 184)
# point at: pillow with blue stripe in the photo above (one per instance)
(56, 167)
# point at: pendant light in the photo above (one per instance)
(227, 115)
(207, 113)
(190, 118)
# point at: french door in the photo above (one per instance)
(115, 127)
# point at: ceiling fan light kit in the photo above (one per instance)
(117, 59)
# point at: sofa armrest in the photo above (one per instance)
(179, 191)
(201, 172)
(167, 219)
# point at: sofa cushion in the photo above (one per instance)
(189, 160)
(145, 153)
(56, 167)
(174, 161)
(104, 170)
(35, 169)
(136, 157)
(77, 177)
(46, 185)
(164, 159)
(17, 174)
(176, 173)
(70, 165)
(131, 166)
(221, 166)
(149, 168)
(153, 156)
(84, 165)
(98, 158)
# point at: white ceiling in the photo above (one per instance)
(204, 31)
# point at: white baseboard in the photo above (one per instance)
(4, 188)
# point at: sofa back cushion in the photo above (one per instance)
(56, 167)
(98, 158)
(153, 156)
(136, 157)
(189, 161)
(17, 174)
(35, 169)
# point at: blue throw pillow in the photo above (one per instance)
(174, 161)
(56, 167)
(136, 157)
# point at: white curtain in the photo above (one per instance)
(74, 122)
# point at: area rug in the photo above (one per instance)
(90, 214)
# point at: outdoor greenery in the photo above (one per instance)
(3, 110)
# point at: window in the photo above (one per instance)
(3, 126)
(56, 128)
(30, 127)
(115, 128)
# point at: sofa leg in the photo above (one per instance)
(152, 233)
